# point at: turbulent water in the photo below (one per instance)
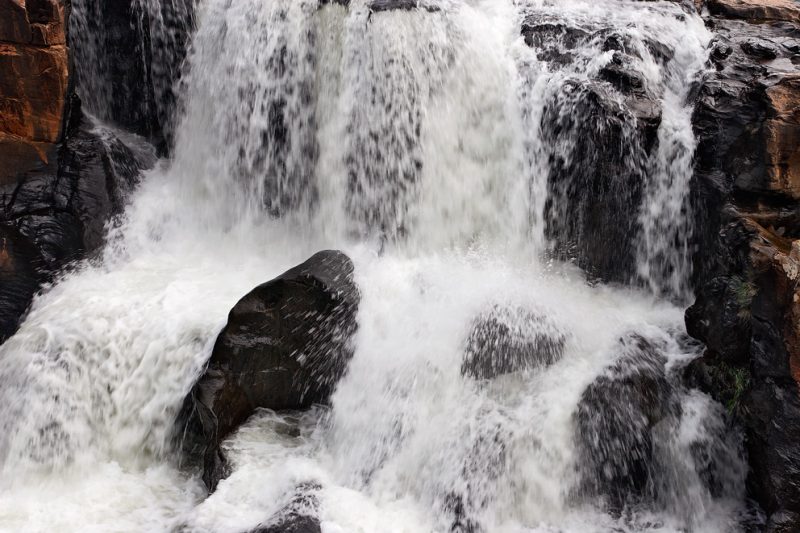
(436, 147)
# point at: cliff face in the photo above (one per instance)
(61, 177)
(33, 87)
(745, 189)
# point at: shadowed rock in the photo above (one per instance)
(20, 276)
(615, 419)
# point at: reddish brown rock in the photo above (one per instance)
(778, 260)
(782, 137)
(756, 10)
(33, 83)
(33, 88)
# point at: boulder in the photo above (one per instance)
(510, 339)
(285, 346)
(297, 516)
(615, 418)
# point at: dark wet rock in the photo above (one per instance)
(772, 445)
(300, 515)
(613, 40)
(615, 419)
(140, 57)
(760, 48)
(553, 40)
(618, 72)
(510, 339)
(62, 209)
(286, 345)
(745, 191)
(376, 6)
(21, 273)
(596, 184)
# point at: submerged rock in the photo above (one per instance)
(615, 419)
(297, 516)
(286, 345)
(510, 339)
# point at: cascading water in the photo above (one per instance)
(128, 59)
(450, 156)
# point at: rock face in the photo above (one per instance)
(594, 186)
(61, 209)
(756, 10)
(33, 87)
(285, 346)
(745, 188)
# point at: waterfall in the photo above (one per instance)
(128, 60)
(481, 161)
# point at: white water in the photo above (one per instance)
(411, 140)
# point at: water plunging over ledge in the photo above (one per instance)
(461, 156)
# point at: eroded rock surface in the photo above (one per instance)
(745, 189)
(33, 84)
